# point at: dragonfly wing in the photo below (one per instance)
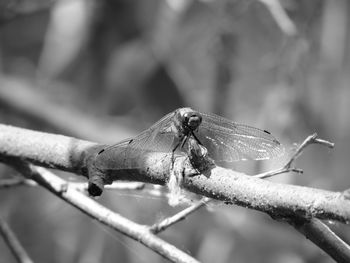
(125, 154)
(229, 141)
(113, 157)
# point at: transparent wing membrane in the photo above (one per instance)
(224, 140)
(154, 139)
(229, 141)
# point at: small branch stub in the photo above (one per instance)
(312, 139)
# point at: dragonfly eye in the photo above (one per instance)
(192, 120)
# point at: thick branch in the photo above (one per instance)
(278, 200)
(48, 150)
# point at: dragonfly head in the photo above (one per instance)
(192, 120)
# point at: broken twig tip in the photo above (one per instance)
(314, 135)
(313, 138)
(298, 171)
(325, 143)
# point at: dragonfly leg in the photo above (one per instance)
(194, 136)
(184, 141)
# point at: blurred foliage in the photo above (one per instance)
(104, 70)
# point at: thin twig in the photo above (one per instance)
(15, 246)
(281, 17)
(71, 195)
(324, 142)
(126, 186)
(82, 187)
(278, 171)
(312, 139)
(309, 140)
(164, 224)
(114, 186)
(322, 236)
(11, 182)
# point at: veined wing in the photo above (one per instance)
(229, 141)
(123, 155)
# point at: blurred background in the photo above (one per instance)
(106, 70)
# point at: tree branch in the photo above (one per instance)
(313, 229)
(164, 224)
(287, 202)
(83, 187)
(71, 195)
(312, 139)
(281, 17)
(13, 243)
(7, 183)
(322, 236)
(278, 200)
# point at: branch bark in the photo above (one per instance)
(322, 236)
(278, 200)
(299, 206)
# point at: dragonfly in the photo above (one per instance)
(224, 140)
